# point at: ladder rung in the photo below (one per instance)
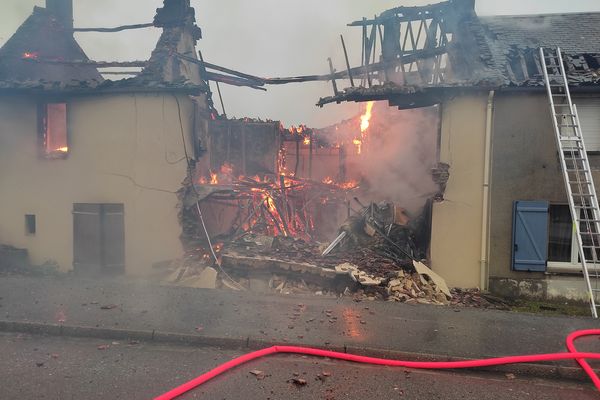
(577, 170)
(590, 233)
(568, 125)
(583, 195)
(580, 182)
(565, 115)
(588, 220)
(571, 138)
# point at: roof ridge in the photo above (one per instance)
(483, 17)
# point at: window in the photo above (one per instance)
(563, 250)
(53, 130)
(562, 246)
(588, 109)
(30, 224)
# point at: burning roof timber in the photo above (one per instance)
(43, 56)
(428, 51)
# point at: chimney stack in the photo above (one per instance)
(63, 10)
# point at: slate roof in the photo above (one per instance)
(514, 42)
(43, 36)
(575, 32)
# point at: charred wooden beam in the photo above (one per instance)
(115, 29)
(97, 64)
(120, 73)
(332, 70)
(233, 80)
(347, 61)
(403, 14)
(257, 80)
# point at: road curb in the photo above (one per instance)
(547, 371)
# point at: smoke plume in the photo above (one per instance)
(399, 151)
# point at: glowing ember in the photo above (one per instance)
(227, 169)
(358, 144)
(328, 180)
(306, 141)
(30, 55)
(366, 117)
(214, 179)
(63, 149)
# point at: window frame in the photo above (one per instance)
(566, 267)
(42, 115)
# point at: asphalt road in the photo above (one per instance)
(313, 321)
(36, 367)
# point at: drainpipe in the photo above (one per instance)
(483, 263)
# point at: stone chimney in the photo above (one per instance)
(63, 10)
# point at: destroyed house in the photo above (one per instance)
(496, 134)
(90, 167)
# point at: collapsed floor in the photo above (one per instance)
(274, 209)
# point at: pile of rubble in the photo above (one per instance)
(423, 286)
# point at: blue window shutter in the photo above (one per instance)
(530, 236)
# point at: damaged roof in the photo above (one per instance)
(43, 57)
(514, 42)
(43, 36)
(493, 52)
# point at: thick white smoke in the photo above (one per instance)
(396, 162)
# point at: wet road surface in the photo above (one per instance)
(37, 367)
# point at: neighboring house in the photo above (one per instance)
(496, 133)
(89, 168)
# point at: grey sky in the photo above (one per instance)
(262, 37)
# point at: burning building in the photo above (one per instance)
(495, 134)
(92, 169)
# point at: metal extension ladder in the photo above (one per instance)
(583, 201)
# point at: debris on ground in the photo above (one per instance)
(258, 374)
(271, 245)
(422, 286)
(478, 299)
(298, 381)
(109, 307)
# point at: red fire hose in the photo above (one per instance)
(572, 354)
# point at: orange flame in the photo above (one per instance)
(328, 180)
(358, 144)
(365, 119)
(214, 179)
